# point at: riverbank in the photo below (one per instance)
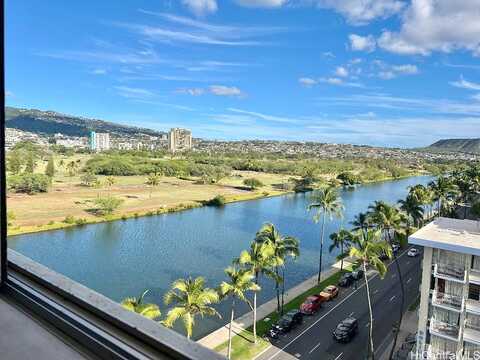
(151, 205)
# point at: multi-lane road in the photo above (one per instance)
(314, 340)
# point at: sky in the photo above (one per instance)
(379, 72)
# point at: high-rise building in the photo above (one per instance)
(99, 141)
(449, 312)
(179, 140)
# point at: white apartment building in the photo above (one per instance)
(99, 141)
(179, 140)
(449, 312)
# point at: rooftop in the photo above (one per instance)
(456, 235)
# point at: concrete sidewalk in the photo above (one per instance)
(409, 326)
(219, 336)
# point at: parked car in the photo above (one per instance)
(330, 292)
(346, 280)
(357, 274)
(413, 252)
(286, 323)
(346, 330)
(312, 304)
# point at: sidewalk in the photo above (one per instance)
(219, 336)
(409, 326)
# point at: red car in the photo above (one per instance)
(311, 304)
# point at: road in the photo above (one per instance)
(313, 339)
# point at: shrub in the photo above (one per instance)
(10, 218)
(29, 183)
(218, 200)
(89, 179)
(80, 221)
(69, 219)
(476, 210)
(253, 183)
(107, 205)
(347, 178)
(124, 217)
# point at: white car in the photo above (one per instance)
(413, 252)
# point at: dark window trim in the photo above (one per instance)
(94, 321)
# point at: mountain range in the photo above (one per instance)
(51, 122)
(457, 145)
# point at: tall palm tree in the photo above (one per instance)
(152, 181)
(239, 282)
(190, 298)
(340, 240)
(367, 247)
(259, 260)
(443, 191)
(412, 207)
(283, 246)
(72, 168)
(390, 220)
(424, 196)
(328, 203)
(361, 221)
(465, 186)
(137, 305)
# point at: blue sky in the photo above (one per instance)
(379, 72)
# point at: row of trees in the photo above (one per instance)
(190, 298)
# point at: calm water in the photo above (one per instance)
(122, 258)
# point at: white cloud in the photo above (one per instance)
(339, 82)
(386, 75)
(362, 43)
(261, 3)
(273, 118)
(98, 72)
(341, 71)
(191, 91)
(8, 93)
(359, 12)
(465, 84)
(201, 7)
(436, 25)
(305, 81)
(221, 90)
(476, 97)
(406, 69)
(133, 93)
(328, 54)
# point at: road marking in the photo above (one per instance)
(394, 276)
(391, 299)
(298, 355)
(383, 342)
(368, 324)
(321, 318)
(353, 312)
(408, 262)
(316, 346)
(409, 280)
(376, 291)
(339, 356)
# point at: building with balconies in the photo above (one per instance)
(449, 312)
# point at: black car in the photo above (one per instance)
(286, 323)
(346, 280)
(357, 274)
(346, 330)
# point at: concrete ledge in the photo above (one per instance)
(147, 331)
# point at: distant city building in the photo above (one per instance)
(449, 312)
(99, 141)
(179, 140)
(14, 136)
(70, 141)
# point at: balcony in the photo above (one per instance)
(471, 334)
(447, 301)
(474, 276)
(444, 330)
(450, 272)
(472, 306)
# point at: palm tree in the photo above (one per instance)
(465, 186)
(72, 168)
(412, 207)
(443, 192)
(340, 240)
(150, 311)
(191, 298)
(239, 282)
(390, 220)
(424, 196)
(152, 181)
(283, 246)
(361, 221)
(259, 260)
(328, 203)
(367, 247)
(110, 181)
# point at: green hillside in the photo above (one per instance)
(457, 145)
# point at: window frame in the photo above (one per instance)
(96, 322)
